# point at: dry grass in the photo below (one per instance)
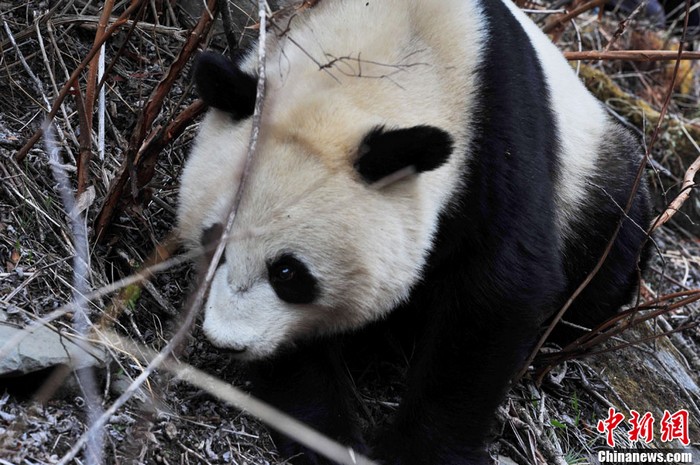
(168, 420)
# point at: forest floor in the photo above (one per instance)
(127, 195)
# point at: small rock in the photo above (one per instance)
(503, 460)
(45, 348)
(7, 416)
(170, 431)
(65, 425)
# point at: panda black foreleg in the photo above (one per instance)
(311, 384)
(471, 349)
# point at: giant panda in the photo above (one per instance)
(430, 176)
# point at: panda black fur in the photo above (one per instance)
(514, 179)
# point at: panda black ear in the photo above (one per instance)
(387, 152)
(221, 84)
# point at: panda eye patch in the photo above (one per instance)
(291, 280)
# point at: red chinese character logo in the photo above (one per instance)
(675, 426)
(642, 427)
(609, 424)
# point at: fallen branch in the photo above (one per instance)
(632, 55)
(91, 23)
(574, 354)
(617, 325)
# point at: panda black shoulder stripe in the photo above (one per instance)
(514, 80)
(515, 142)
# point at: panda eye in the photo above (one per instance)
(291, 280)
(284, 273)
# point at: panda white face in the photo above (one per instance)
(317, 248)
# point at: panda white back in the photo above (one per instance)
(436, 162)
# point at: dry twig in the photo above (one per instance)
(632, 55)
(132, 172)
(87, 104)
(622, 26)
(81, 270)
(560, 21)
(65, 90)
(686, 188)
(243, 401)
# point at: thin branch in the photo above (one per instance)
(268, 414)
(81, 269)
(227, 21)
(560, 21)
(581, 353)
(101, 106)
(664, 109)
(622, 25)
(52, 78)
(37, 82)
(607, 330)
(95, 73)
(85, 136)
(130, 174)
(92, 67)
(90, 22)
(686, 188)
(65, 90)
(162, 137)
(633, 55)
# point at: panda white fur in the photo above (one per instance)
(514, 179)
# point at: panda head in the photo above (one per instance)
(322, 242)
